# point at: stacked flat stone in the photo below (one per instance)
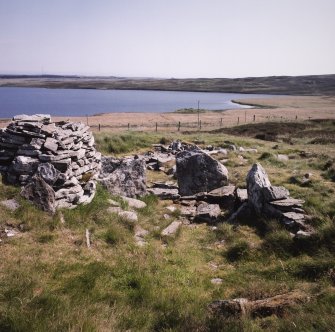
(62, 153)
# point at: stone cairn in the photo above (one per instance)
(56, 163)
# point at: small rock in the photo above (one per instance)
(225, 196)
(282, 157)
(207, 213)
(172, 229)
(48, 173)
(61, 218)
(10, 204)
(140, 233)
(113, 203)
(303, 234)
(114, 209)
(128, 215)
(164, 193)
(188, 211)
(171, 208)
(273, 193)
(134, 203)
(216, 281)
(10, 232)
(241, 195)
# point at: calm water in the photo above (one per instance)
(73, 102)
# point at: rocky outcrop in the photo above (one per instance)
(124, 177)
(198, 172)
(55, 162)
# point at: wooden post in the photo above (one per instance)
(128, 126)
(87, 119)
(238, 120)
(179, 126)
(99, 127)
(254, 117)
(156, 126)
(221, 123)
(296, 117)
(200, 124)
(88, 241)
(198, 112)
(245, 116)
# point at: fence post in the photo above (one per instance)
(87, 119)
(128, 126)
(221, 123)
(179, 126)
(296, 117)
(254, 117)
(99, 127)
(238, 120)
(156, 126)
(200, 124)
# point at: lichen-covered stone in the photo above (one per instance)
(198, 172)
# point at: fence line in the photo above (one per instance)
(197, 126)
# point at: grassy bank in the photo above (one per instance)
(50, 280)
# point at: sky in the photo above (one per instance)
(167, 38)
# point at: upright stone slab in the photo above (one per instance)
(257, 180)
(124, 177)
(40, 193)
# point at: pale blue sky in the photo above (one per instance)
(168, 38)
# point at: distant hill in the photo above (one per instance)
(283, 85)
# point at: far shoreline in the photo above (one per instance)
(281, 109)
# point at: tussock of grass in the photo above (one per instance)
(238, 251)
(124, 143)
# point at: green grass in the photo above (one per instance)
(51, 281)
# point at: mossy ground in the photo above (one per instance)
(50, 280)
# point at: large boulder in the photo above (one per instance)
(124, 177)
(198, 172)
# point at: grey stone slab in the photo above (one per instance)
(32, 118)
(172, 229)
(207, 213)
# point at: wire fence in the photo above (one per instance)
(204, 125)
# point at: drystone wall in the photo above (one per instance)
(56, 163)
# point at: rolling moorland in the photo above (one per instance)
(50, 280)
(313, 85)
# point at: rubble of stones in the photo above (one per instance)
(55, 163)
(202, 192)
